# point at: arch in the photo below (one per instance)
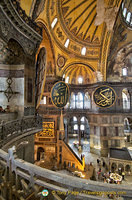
(79, 73)
(113, 167)
(47, 42)
(128, 168)
(40, 153)
(120, 167)
(16, 52)
(40, 74)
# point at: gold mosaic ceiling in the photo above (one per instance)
(71, 25)
(76, 71)
(75, 21)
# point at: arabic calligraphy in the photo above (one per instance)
(104, 96)
(60, 94)
(48, 130)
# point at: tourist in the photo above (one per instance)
(7, 109)
(123, 175)
(1, 109)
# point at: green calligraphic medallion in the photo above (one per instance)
(104, 96)
(60, 94)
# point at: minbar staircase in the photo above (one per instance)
(69, 156)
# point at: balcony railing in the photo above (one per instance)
(11, 129)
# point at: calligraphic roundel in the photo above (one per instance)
(104, 96)
(60, 94)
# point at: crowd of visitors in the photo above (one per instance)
(105, 175)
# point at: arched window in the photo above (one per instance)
(80, 80)
(67, 79)
(126, 99)
(124, 71)
(83, 51)
(124, 12)
(79, 99)
(67, 105)
(82, 127)
(82, 119)
(87, 102)
(54, 22)
(128, 17)
(75, 119)
(127, 12)
(73, 100)
(76, 127)
(67, 43)
(126, 125)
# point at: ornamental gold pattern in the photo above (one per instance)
(48, 130)
(104, 96)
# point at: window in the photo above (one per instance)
(67, 79)
(87, 103)
(82, 127)
(79, 99)
(124, 71)
(82, 119)
(73, 100)
(67, 43)
(54, 22)
(67, 105)
(74, 119)
(126, 99)
(80, 80)
(128, 17)
(83, 51)
(44, 100)
(127, 12)
(75, 127)
(124, 12)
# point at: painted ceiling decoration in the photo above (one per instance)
(76, 23)
(80, 31)
(79, 70)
